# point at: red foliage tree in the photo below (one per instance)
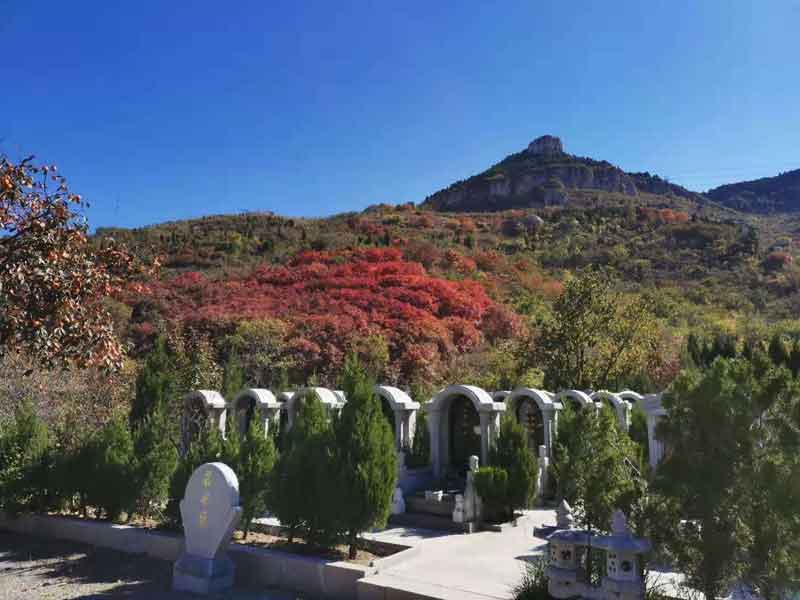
(53, 279)
(332, 299)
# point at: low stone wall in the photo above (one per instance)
(307, 575)
(125, 538)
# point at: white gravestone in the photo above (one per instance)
(210, 511)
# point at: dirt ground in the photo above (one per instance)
(38, 569)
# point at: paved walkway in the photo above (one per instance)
(480, 565)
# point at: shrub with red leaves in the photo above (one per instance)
(332, 299)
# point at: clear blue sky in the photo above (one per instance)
(161, 110)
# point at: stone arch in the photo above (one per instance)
(404, 411)
(331, 400)
(253, 403)
(631, 396)
(547, 408)
(621, 407)
(439, 409)
(201, 408)
(577, 398)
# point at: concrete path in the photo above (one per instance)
(480, 565)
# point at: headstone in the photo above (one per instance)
(459, 514)
(398, 502)
(210, 511)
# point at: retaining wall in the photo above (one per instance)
(308, 575)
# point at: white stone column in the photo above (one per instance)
(216, 418)
(654, 411)
(407, 439)
(398, 428)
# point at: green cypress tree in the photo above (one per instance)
(208, 447)
(732, 473)
(256, 461)
(596, 465)
(155, 460)
(233, 377)
(113, 487)
(778, 350)
(366, 456)
(156, 383)
(511, 453)
(301, 480)
(24, 444)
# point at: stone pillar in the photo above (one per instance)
(434, 422)
(654, 411)
(486, 432)
(217, 418)
(407, 438)
(398, 429)
(655, 446)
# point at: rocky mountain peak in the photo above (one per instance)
(546, 145)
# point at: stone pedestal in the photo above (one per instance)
(210, 512)
(203, 575)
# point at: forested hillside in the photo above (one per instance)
(429, 294)
(766, 195)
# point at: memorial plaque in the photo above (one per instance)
(210, 511)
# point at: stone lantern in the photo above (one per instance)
(564, 574)
(623, 578)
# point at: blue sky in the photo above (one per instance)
(167, 110)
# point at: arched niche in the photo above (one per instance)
(254, 403)
(331, 400)
(620, 406)
(403, 412)
(537, 411)
(201, 409)
(443, 411)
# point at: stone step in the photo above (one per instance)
(428, 521)
(443, 507)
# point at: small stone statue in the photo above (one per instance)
(564, 518)
(473, 463)
(210, 512)
(472, 501)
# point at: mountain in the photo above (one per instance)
(545, 175)
(431, 285)
(766, 195)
